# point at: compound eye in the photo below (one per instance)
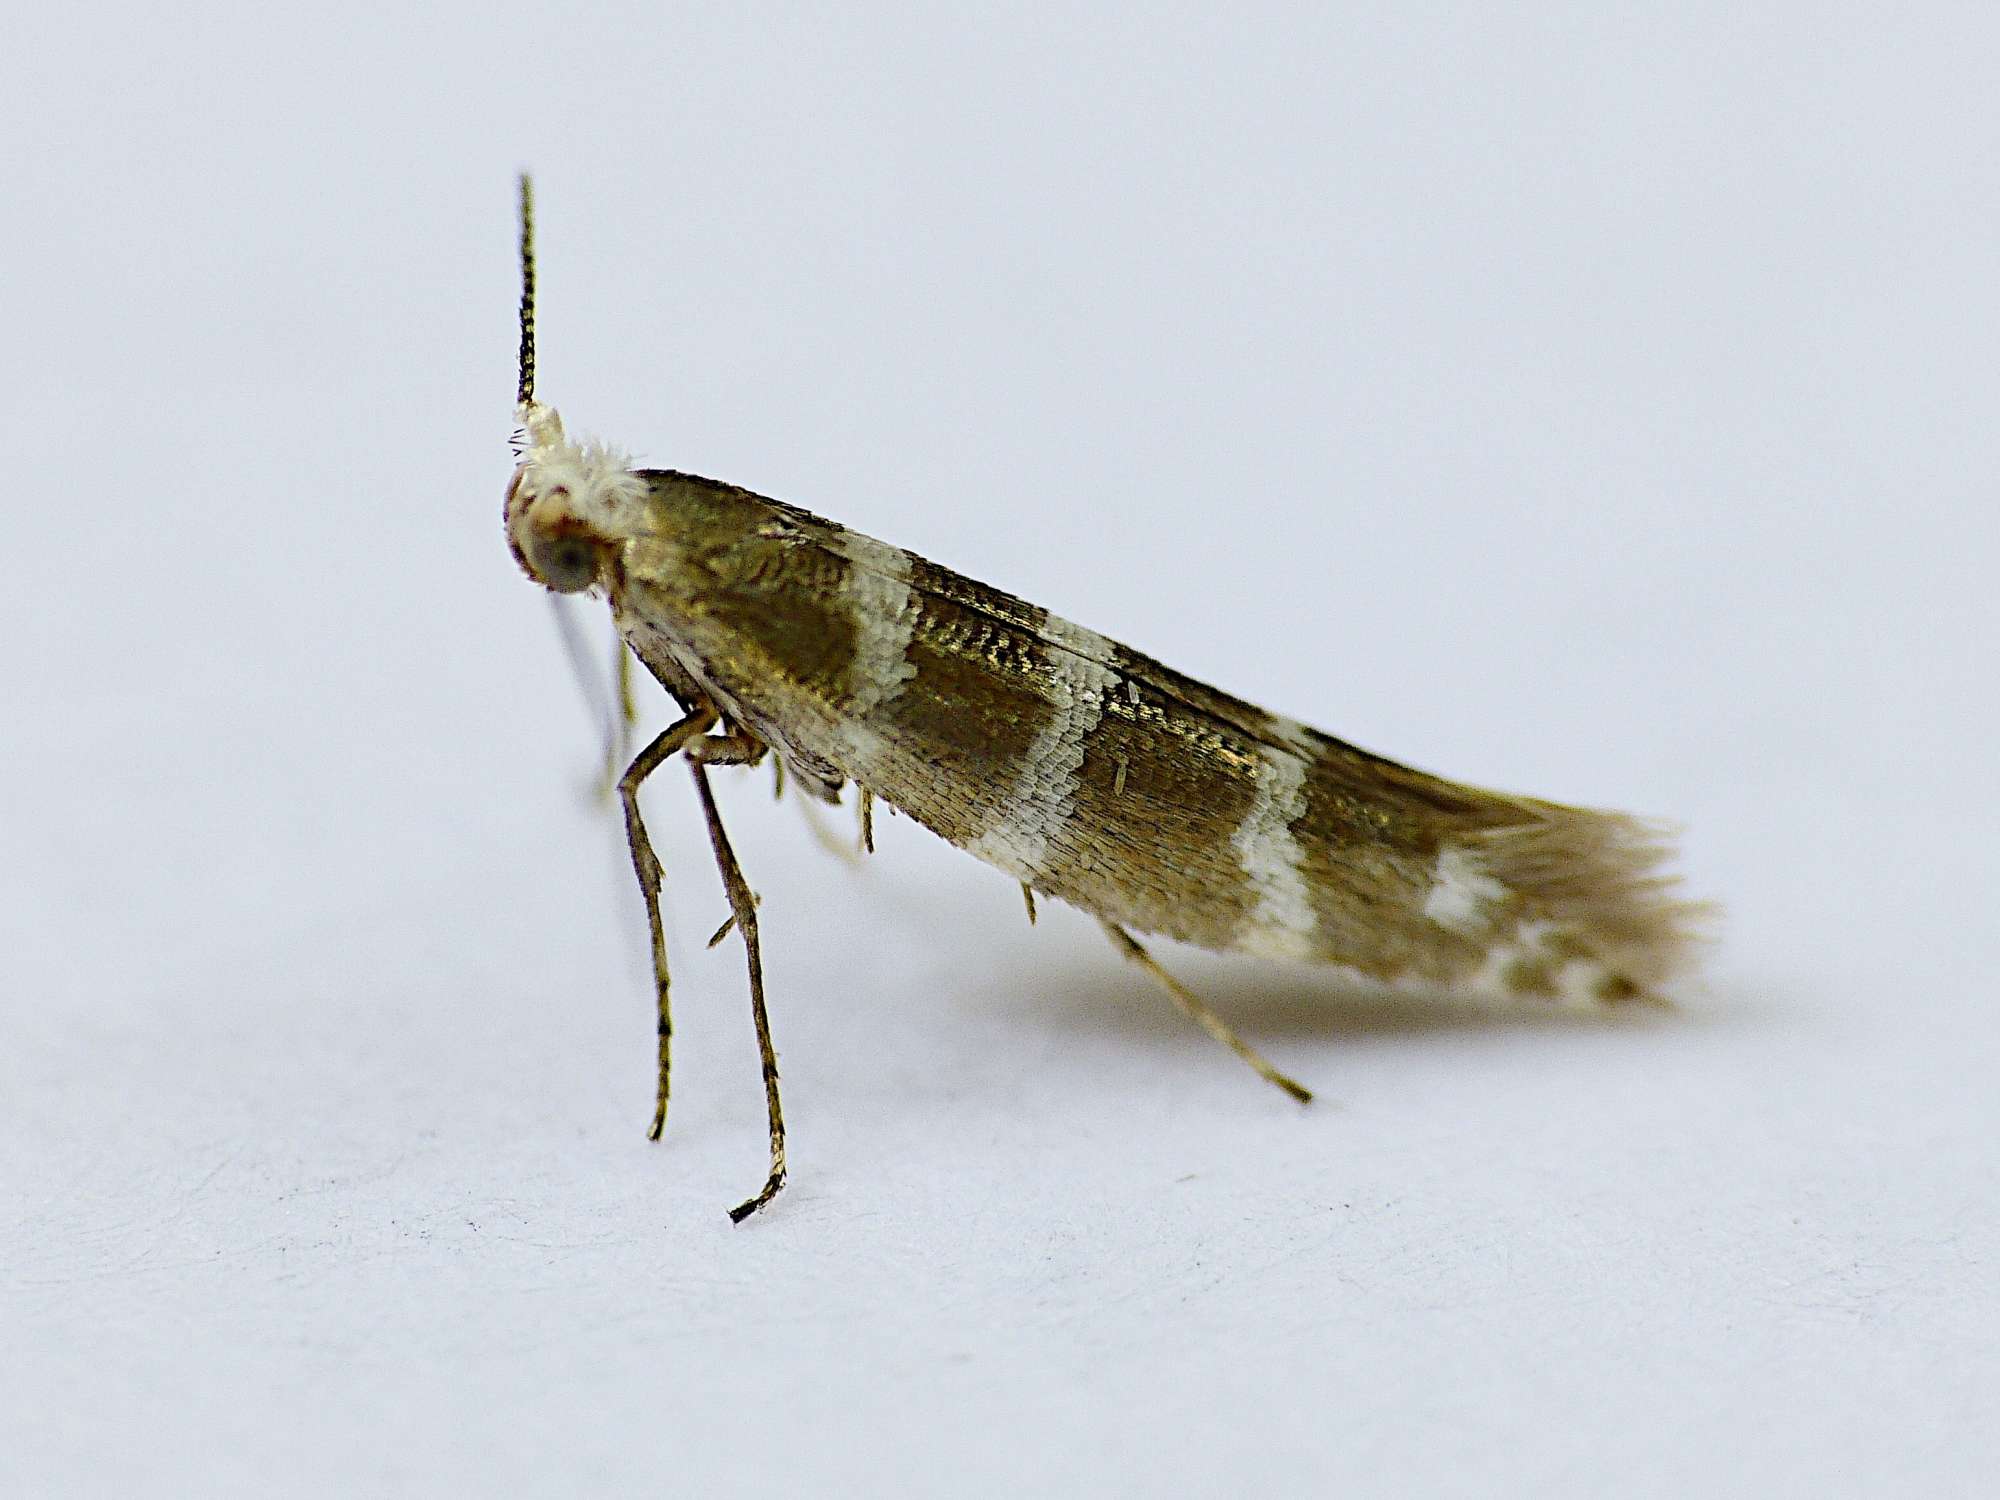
(566, 562)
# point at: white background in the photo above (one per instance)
(1569, 398)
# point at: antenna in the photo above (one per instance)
(525, 393)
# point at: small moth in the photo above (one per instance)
(1074, 765)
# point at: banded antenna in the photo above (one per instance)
(525, 393)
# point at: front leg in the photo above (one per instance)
(647, 868)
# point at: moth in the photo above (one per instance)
(1076, 766)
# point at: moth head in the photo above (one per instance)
(571, 506)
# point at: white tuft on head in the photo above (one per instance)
(595, 482)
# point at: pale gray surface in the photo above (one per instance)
(1601, 408)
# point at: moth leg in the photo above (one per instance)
(625, 712)
(1197, 1011)
(741, 749)
(647, 868)
(736, 747)
(618, 712)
